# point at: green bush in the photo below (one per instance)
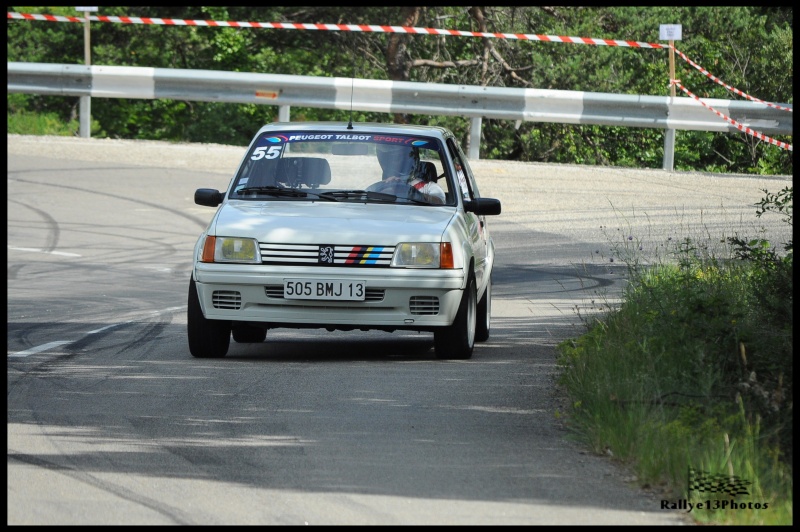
(697, 354)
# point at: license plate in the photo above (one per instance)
(324, 289)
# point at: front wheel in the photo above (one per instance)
(484, 321)
(458, 340)
(207, 338)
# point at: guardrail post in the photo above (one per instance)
(85, 107)
(85, 110)
(474, 148)
(283, 113)
(669, 150)
(670, 31)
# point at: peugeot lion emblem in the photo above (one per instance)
(326, 254)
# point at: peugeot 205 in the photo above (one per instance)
(345, 226)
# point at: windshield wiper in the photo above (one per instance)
(272, 190)
(337, 195)
(367, 195)
(333, 195)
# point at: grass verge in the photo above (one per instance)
(23, 123)
(689, 378)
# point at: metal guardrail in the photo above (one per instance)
(474, 102)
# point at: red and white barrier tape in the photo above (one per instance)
(340, 27)
(398, 29)
(732, 89)
(733, 122)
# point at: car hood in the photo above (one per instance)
(313, 222)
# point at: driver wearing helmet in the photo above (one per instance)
(401, 164)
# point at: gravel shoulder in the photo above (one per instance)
(534, 196)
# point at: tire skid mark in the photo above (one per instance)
(170, 248)
(73, 471)
(202, 222)
(145, 332)
(175, 515)
(52, 228)
(14, 270)
(151, 323)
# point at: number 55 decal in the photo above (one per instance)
(271, 152)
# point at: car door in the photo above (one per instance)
(476, 225)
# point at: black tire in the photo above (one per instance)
(483, 323)
(458, 340)
(207, 338)
(248, 334)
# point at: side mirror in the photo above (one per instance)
(208, 197)
(483, 206)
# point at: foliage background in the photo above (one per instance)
(747, 47)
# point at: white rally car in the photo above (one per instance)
(345, 226)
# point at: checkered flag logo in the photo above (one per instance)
(704, 482)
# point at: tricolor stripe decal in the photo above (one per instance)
(367, 255)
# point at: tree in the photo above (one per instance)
(748, 47)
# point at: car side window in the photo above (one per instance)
(432, 160)
(463, 172)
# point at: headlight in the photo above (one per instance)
(230, 249)
(423, 255)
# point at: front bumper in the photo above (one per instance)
(417, 299)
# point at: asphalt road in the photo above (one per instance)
(111, 421)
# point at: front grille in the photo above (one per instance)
(275, 291)
(227, 299)
(326, 255)
(424, 305)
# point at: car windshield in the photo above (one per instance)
(345, 167)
